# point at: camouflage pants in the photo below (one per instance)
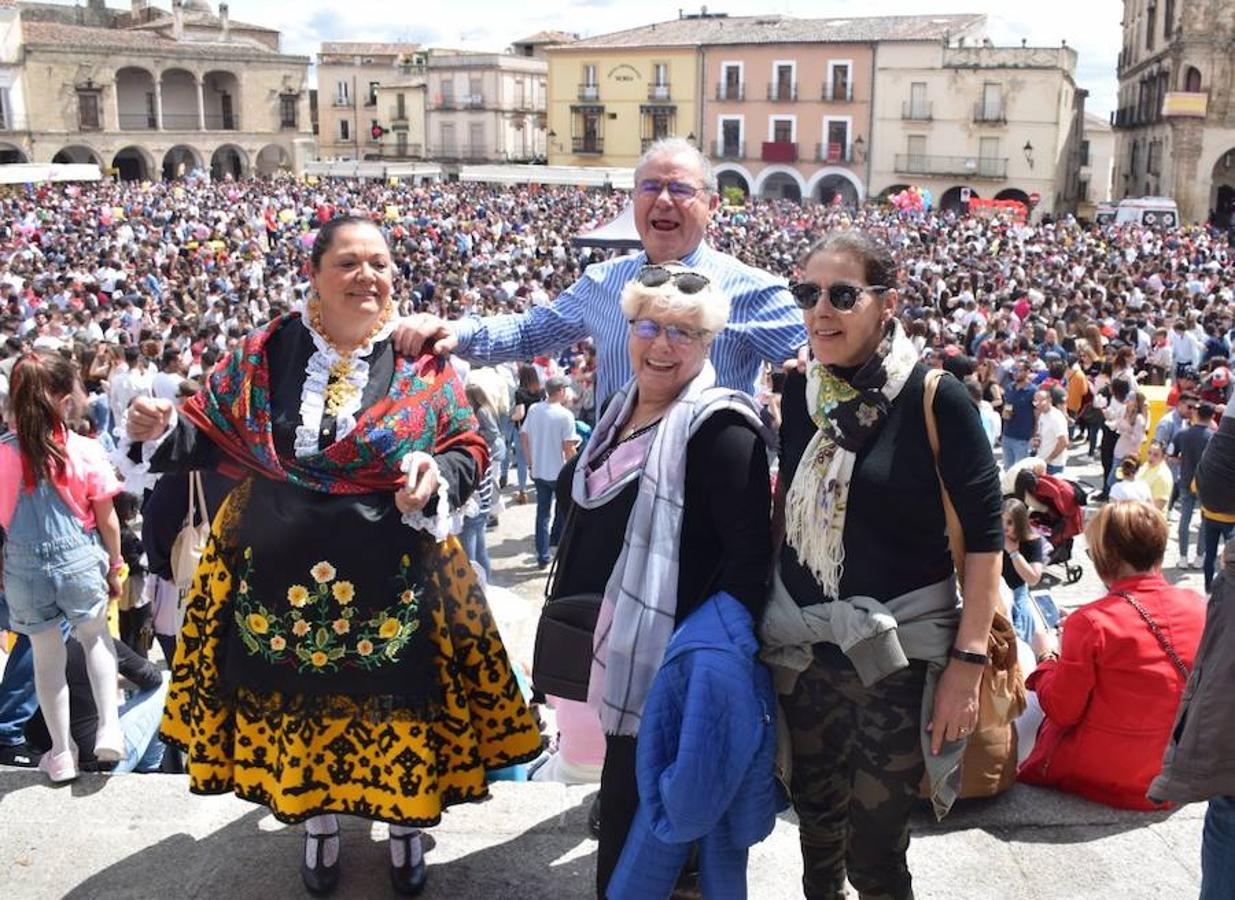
(857, 762)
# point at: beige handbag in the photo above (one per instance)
(191, 541)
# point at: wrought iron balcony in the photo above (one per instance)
(833, 153)
(779, 151)
(837, 93)
(723, 149)
(587, 145)
(783, 91)
(658, 92)
(727, 91)
(963, 166)
(917, 112)
(989, 114)
(589, 92)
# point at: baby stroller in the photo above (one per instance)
(1057, 513)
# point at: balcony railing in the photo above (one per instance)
(989, 114)
(218, 122)
(180, 121)
(471, 101)
(589, 92)
(462, 152)
(1123, 118)
(447, 103)
(965, 166)
(585, 145)
(782, 91)
(837, 93)
(917, 112)
(727, 91)
(138, 122)
(342, 101)
(658, 92)
(833, 153)
(394, 151)
(779, 152)
(723, 149)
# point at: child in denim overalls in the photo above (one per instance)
(56, 490)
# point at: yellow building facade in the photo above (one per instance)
(607, 104)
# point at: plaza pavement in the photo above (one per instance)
(147, 837)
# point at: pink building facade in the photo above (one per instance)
(789, 120)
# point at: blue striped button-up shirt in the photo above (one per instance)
(764, 322)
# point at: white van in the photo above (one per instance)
(1156, 212)
(1104, 213)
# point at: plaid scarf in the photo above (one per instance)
(847, 412)
(640, 603)
(425, 409)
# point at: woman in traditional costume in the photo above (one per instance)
(337, 655)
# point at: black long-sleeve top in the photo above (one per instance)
(1215, 474)
(895, 531)
(725, 544)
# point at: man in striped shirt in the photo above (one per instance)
(675, 196)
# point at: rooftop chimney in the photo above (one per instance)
(178, 20)
(225, 22)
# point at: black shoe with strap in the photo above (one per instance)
(409, 879)
(318, 878)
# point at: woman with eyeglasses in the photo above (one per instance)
(877, 661)
(667, 513)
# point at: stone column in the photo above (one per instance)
(1191, 187)
(158, 102)
(201, 103)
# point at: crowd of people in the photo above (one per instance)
(722, 422)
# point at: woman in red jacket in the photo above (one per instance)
(1111, 692)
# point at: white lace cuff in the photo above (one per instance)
(443, 522)
(136, 476)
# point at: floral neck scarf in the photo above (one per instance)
(848, 412)
(425, 410)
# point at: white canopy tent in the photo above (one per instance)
(352, 168)
(28, 173)
(617, 234)
(583, 176)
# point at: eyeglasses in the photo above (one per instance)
(686, 282)
(842, 296)
(650, 329)
(678, 190)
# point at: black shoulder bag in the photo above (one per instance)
(562, 658)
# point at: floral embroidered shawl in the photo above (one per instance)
(424, 410)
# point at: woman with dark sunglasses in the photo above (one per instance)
(668, 512)
(864, 622)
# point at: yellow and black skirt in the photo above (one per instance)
(301, 757)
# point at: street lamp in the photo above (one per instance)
(1028, 149)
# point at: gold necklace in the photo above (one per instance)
(340, 391)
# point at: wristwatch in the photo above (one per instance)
(977, 659)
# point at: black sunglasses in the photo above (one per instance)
(842, 296)
(686, 282)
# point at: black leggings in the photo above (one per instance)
(619, 799)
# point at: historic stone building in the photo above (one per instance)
(1176, 118)
(148, 92)
(358, 86)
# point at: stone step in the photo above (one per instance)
(146, 836)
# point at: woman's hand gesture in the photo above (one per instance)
(148, 418)
(421, 487)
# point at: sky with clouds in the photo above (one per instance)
(1090, 26)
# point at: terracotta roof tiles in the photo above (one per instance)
(777, 29)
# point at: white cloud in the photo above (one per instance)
(1090, 26)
